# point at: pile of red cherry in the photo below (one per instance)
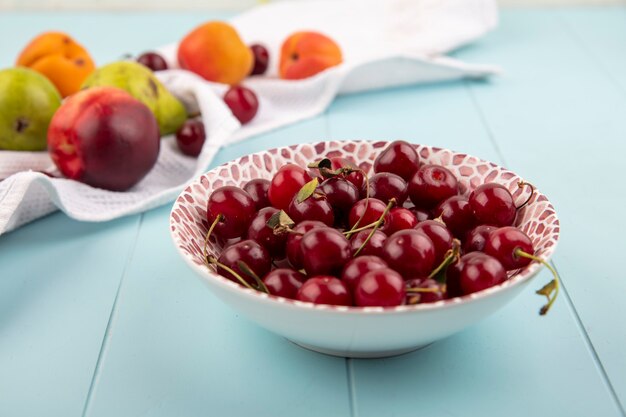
(328, 234)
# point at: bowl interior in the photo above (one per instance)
(189, 226)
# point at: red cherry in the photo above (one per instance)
(476, 238)
(285, 185)
(503, 243)
(294, 252)
(440, 236)
(424, 297)
(264, 235)
(410, 252)
(367, 212)
(373, 247)
(242, 102)
(325, 290)
(399, 158)
(284, 282)
(493, 204)
(249, 252)
(431, 185)
(153, 61)
(399, 219)
(313, 208)
(420, 214)
(236, 206)
(341, 195)
(385, 186)
(356, 178)
(381, 287)
(261, 59)
(457, 215)
(257, 189)
(477, 271)
(324, 251)
(190, 137)
(357, 267)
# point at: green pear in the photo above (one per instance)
(141, 83)
(28, 101)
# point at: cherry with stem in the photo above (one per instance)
(376, 225)
(551, 289)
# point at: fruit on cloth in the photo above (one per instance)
(105, 138)
(60, 58)
(304, 54)
(141, 83)
(28, 101)
(190, 137)
(261, 59)
(242, 102)
(153, 61)
(215, 51)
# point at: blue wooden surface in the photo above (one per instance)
(105, 320)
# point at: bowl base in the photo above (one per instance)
(359, 354)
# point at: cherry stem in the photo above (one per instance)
(377, 224)
(205, 251)
(360, 229)
(367, 203)
(553, 286)
(532, 191)
(213, 261)
(451, 255)
(248, 271)
(419, 289)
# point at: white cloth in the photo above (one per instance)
(385, 44)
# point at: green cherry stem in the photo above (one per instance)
(248, 271)
(359, 229)
(451, 255)
(377, 224)
(418, 289)
(211, 260)
(551, 289)
(532, 191)
(205, 250)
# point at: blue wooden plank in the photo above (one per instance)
(559, 119)
(514, 363)
(58, 280)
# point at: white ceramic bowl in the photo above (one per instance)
(357, 331)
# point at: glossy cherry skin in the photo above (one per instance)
(373, 247)
(367, 212)
(420, 214)
(190, 137)
(285, 185)
(257, 189)
(294, 251)
(242, 102)
(153, 61)
(356, 178)
(261, 233)
(399, 158)
(313, 208)
(261, 59)
(424, 297)
(439, 235)
(236, 206)
(398, 219)
(249, 252)
(284, 282)
(493, 204)
(357, 267)
(324, 251)
(410, 252)
(476, 238)
(502, 244)
(385, 186)
(381, 287)
(457, 215)
(325, 290)
(341, 195)
(431, 185)
(478, 271)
